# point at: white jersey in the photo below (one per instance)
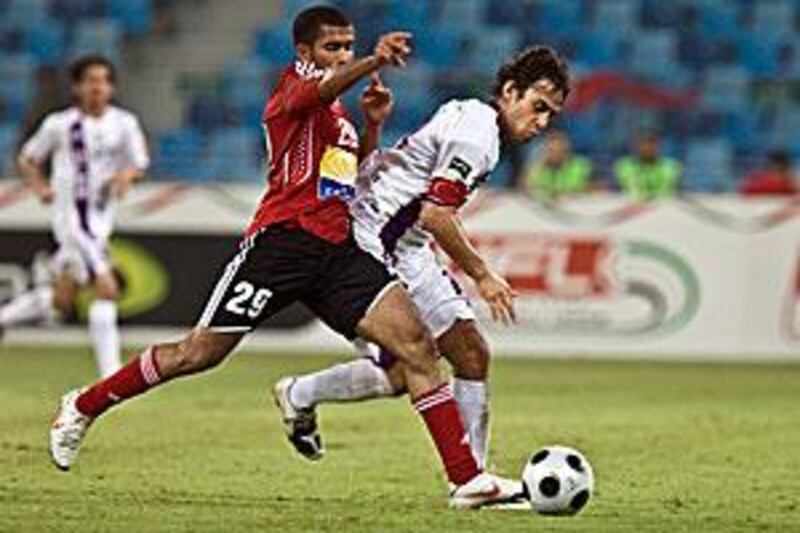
(86, 153)
(442, 162)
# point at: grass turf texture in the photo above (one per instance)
(675, 447)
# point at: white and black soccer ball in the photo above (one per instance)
(558, 481)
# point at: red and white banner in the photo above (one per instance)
(698, 277)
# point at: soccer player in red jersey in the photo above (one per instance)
(298, 248)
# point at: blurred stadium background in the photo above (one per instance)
(718, 78)
(703, 273)
(718, 81)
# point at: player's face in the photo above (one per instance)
(95, 89)
(334, 47)
(526, 114)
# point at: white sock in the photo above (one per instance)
(105, 336)
(356, 380)
(32, 306)
(472, 398)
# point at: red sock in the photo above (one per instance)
(440, 412)
(131, 380)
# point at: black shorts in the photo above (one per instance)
(280, 265)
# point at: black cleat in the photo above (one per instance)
(300, 424)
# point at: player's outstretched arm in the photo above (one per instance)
(33, 153)
(122, 181)
(392, 49)
(442, 222)
(33, 174)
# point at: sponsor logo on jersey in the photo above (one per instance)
(458, 169)
(337, 174)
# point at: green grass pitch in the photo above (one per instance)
(675, 447)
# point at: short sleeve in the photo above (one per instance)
(300, 89)
(42, 143)
(136, 145)
(464, 160)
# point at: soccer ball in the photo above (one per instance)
(558, 481)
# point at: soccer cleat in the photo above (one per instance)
(518, 501)
(67, 432)
(485, 490)
(300, 424)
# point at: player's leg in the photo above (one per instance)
(357, 297)
(377, 374)
(200, 350)
(32, 306)
(92, 266)
(361, 379)
(468, 353)
(231, 312)
(447, 312)
(43, 301)
(103, 328)
(394, 323)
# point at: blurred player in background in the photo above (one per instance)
(299, 248)
(97, 151)
(408, 198)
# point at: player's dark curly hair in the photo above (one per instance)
(531, 65)
(308, 23)
(79, 67)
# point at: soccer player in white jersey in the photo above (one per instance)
(97, 150)
(408, 198)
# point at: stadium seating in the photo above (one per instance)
(97, 35)
(8, 139)
(708, 166)
(725, 50)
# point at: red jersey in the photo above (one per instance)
(313, 151)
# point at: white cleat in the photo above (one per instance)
(300, 424)
(485, 490)
(67, 432)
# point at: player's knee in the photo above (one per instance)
(108, 293)
(63, 301)
(191, 356)
(396, 376)
(419, 351)
(106, 288)
(474, 363)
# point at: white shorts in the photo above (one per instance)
(437, 295)
(434, 291)
(82, 258)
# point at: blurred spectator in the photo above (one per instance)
(557, 171)
(777, 179)
(646, 174)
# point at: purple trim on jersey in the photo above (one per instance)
(87, 261)
(77, 146)
(453, 282)
(396, 227)
(384, 361)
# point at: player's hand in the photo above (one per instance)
(393, 48)
(377, 101)
(117, 186)
(44, 192)
(497, 293)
